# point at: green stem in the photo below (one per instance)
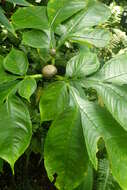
(53, 61)
(61, 78)
(36, 76)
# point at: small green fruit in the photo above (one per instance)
(53, 52)
(49, 71)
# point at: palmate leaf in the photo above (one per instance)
(98, 123)
(114, 71)
(82, 65)
(5, 21)
(53, 101)
(96, 13)
(59, 11)
(15, 130)
(69, 161)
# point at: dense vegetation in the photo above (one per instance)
(63, 108)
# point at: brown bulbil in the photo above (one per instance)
(49, 71)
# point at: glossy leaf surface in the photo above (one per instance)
(59, 11)
(4, 76)
(98, 123)
(16, 62)
(114, 71)
(53, 100)
(15, 130)
(66, 138)
(97, 37)
(82, 65)
(96, 13)
(115, 100)
(36, 18)
(27, 87)
(37, 39)
(88, 181)
(6, 89)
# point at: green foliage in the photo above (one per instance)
(16, 134)
(52, 104)
(105, 180)
(63, 104)
(16, 62)
(5, 22)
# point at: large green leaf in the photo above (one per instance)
(59, 11)
(16, 62)
(81, 65)
(5, 77)
(89, 125)
(69, 161)
(53, 100)
(97, 37)
(5, 21)
(27, 87)
(114, 71)
(19, 2)
(37, 39)
(98, 123)
(87, 183)
(96, 13)
(115, 99)
(6, 89)
(15, 130)
(36, 18)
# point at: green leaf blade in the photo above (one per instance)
(5, 77)
(82, 65)
(7, 89)
(115, 99)
(89, 125)
(5, 22)
(53, 100)
(15, 130)
(36, 18)
(59, 11)
(19, 2)
(97, 37)
(27, 87)
(37, 39)
(112, 133)
(114, 71)
(16, 62)
(88, 181)
(96, 13)
(66, 138)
